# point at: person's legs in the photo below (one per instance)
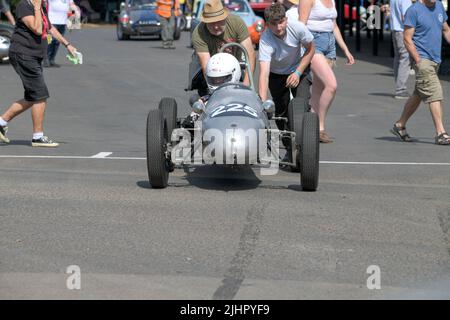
(37, 115)
(324, 76)
(410, 107)
(164, 31)
(401, 72)
(281, 97)
(54, 45)
(396, 56)
(438, 116)
(15, 109)
(170, 31)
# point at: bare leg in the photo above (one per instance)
(37, 115)
(438, 116)
(322, 71)
(410, 107)
(16, 108)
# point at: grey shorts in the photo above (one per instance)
(29, 70)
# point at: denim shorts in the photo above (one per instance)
(325, 44)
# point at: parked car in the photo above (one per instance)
(241, 8)
(138, 18)
(6, 32)
(259, 6)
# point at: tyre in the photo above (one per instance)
(296, 109)
(309, 152)
(157, 162)
(183, 23)
(121, 35)
(177, 33)
(168, 106)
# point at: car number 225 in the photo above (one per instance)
(236, 108)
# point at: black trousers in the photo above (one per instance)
(281, 96)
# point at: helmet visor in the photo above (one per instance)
(217, 81)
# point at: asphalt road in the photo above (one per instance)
(214, 233)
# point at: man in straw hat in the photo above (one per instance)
(217, 28)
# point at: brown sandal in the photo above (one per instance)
(401, 133)
(324, 138)
(443, 139)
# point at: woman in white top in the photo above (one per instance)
(320, 18)
(57, 13)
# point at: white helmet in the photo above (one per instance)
(222, 68)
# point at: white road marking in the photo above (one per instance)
(105, 157)
(102, 155)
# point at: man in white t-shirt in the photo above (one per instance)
(282, 62)
(57, 13)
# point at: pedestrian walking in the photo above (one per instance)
(320, 18)
(28, 48)
(57, 13)
(401, 57)
(167, 10)
(425, 23)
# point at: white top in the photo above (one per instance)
(398, 11)
(57, 11)
(292, 13)
(321, 18)
(285, 54)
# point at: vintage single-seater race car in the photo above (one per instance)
(234, 129)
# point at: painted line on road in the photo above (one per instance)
(104, 156)
(101, 155)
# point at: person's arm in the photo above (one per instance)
(10, 17)
(340, 41)
(34, 22)
(264, 70)
(58, 36)
(409, 44)
(248, 45)
(74, 7)
(203, 57)
(294, 79)
(446, 32)
(304, 9)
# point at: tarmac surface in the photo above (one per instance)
(215, 233)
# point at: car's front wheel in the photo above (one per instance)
(120, 34)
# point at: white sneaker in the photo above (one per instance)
(44, 142)
(3, 130)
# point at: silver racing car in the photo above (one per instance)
(233, 128)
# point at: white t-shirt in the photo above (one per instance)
(292, 13)
(57, 11)
(284, 54)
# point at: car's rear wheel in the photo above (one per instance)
(309, 152)
(168, 106)
(158, 163)
(120, 34)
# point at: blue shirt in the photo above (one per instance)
(428, 24)
(398, 11)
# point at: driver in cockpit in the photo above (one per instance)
(221, 68)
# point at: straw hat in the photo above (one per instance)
(294, 2)
(213, 11)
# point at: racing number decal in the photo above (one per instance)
(234, 107)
